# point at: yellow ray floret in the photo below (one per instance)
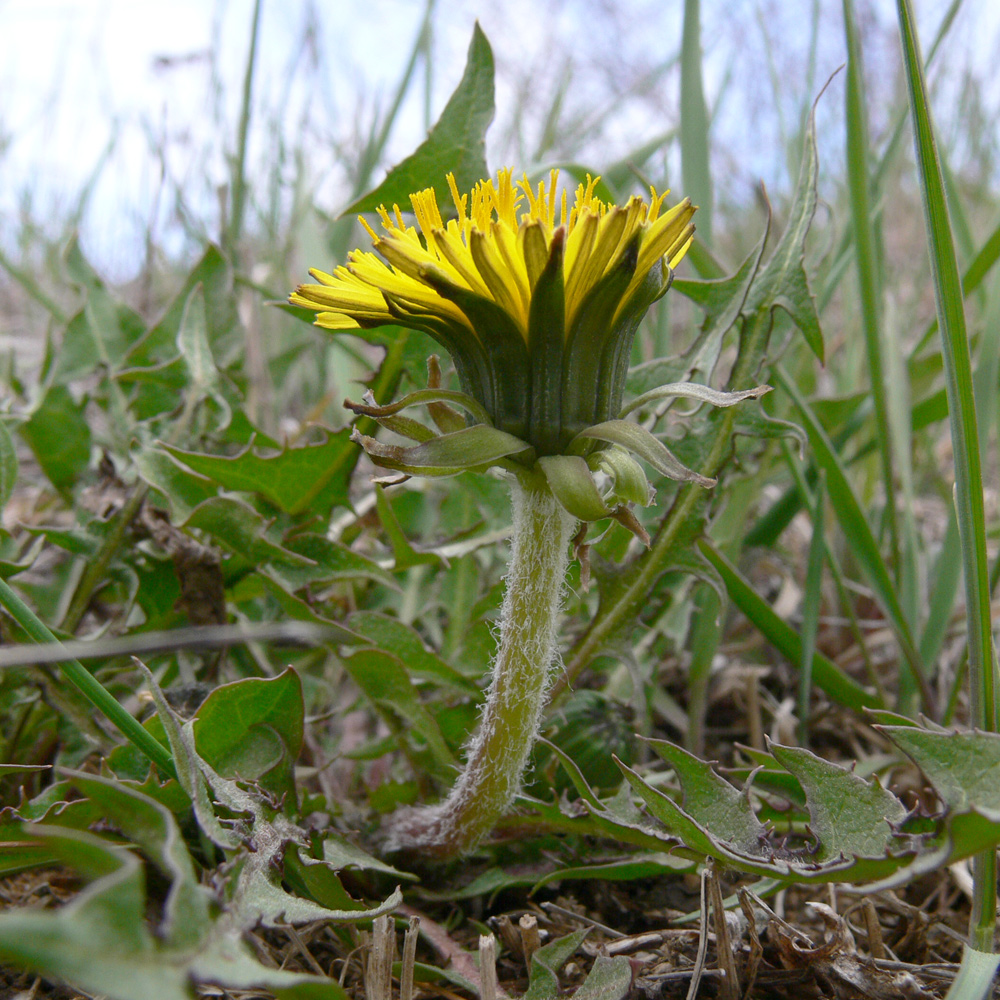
(495, 247)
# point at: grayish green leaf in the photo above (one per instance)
(384, 680)
(712, 800)
(848, 815)
(964, 768)
(691, 390)
(404, 642)
(640, 442)
(237, 526)
(476, 447)
(404, 554)
(608, 979)
(59, 435)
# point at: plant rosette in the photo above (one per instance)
(538, 304)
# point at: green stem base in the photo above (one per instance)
(522, 671)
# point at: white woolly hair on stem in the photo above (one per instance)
(522, 671)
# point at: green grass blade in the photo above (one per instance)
(958, 379)
(811, 599)
(965, 441)
(867, 256)
(703, 640)
(777, 86)
(946, 575)
(982, 264)
(88, 685)
(859, 535)
(825, 673)
(948, 569)
(801, 484)
(899, 410)
(694, 123)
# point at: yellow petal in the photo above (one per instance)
(579, 244)
(507, 245)
(336, 321)
(533, 243)
(586, 272)
(456, 253)
(503, 289)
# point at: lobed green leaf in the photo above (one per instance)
(312, 477)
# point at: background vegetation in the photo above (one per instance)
(173, 454)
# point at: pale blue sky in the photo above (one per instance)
(79, 77)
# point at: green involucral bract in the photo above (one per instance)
(537, 301)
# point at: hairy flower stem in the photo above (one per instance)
(522, 671)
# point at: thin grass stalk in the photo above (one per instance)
(26, 280)
(703, 638)
(835, 273)
(963, 659)
(235, 227)
(694, 123)
(981, 265)
(777, 88)
(810, 607)
(97, 566)
(899, 126)
(846, 602)
(900, 413)
(369, 157)
(811, 63)
(948, 568)
(965, 444)
(958, 382)
(857, 531)
(867, 258)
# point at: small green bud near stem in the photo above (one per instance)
(522, 672)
